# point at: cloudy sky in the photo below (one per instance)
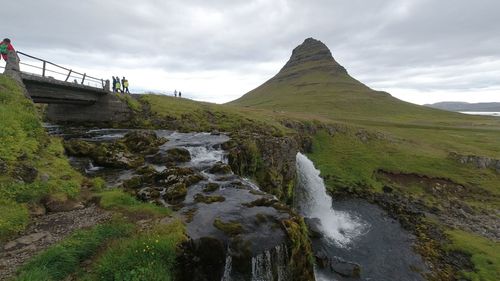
(420, 51)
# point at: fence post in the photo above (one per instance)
(67, 77)
(83, 79)
(43, 70)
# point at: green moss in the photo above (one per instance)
(21, 127)
(211, 187)
(64, 258)
(132, 103)
(146, 256)
(98, 184)
(231, 228)
(14, 218)
(300, 249)
(116, 199)
(200, 198)
(484, 254)
(24, 143)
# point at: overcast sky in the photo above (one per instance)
(420, 51)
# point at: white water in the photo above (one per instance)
(312, 201)
(266, 266)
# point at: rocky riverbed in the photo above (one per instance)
(236, 231)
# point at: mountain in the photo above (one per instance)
(312, 81)
(464, 106)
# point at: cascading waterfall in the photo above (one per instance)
(271, 265)
(313, 202)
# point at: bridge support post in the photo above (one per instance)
(12, 68)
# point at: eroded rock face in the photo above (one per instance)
(270, 160)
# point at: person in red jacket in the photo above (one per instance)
(5, 47)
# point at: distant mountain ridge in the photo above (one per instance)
(464, 106)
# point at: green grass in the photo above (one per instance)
(188, 115)
(118, 200)
(346, 161)
(64, 258)
(146, 256)
(24, 142)
(484, 255)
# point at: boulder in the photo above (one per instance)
(54, 203)
(170, 157)
(337, 265)
(25, 172)
(143, 142)
(220, 168)
(175, 193)
(76, 147)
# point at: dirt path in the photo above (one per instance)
(44, 232)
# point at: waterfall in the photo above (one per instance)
(227, 269)
(270, 265)
(313, 202)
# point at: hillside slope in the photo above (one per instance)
(313, 82)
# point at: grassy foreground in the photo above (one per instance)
(32, 164)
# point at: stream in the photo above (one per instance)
(353, 239)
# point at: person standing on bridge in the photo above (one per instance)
(5, 48)
(125, 85)
(118, 86)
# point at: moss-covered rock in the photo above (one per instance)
(230, 228)
(220, 168)
(200, 198)
(211, 187)
(175, 193)
(76, 147)
(133, 183)
(170, 157)
(143, 142)
(302, 259)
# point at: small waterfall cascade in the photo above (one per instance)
(271, 265)
(313, 202)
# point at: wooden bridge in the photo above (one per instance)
(50, 83)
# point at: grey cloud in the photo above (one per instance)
(395, 41)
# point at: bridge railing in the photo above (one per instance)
(43, 68)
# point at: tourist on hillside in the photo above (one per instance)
(125, 85)
(118, 86)
(5, 48)
(175, 93)
(180, 94)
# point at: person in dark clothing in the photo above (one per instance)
(180, 94)
(118, 85)
(114, 84)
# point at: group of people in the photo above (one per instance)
(175, 94)
(120, 86)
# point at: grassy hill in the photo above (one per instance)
(312, 82)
